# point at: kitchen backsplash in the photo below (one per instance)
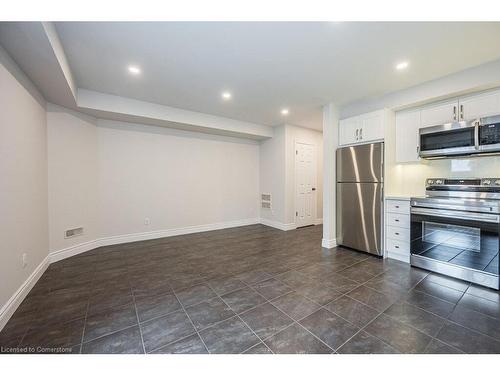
(409, 179)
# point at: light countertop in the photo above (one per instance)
(397, 197)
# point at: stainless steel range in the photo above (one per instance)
(455, 229)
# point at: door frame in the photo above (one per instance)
(315, 178)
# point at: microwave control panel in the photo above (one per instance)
(489, 134)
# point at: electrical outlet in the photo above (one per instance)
(147, 221)
(25, 260)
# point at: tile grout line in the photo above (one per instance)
(86, 315)
(138, 321)
(362, 328)
(238, 315)
(321, 306)
(84, 325)
(191, 321)
(294, 321)
(110, 333)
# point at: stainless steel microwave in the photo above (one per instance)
(462, 138)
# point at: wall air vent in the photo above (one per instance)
(265, 201)
(73, 232)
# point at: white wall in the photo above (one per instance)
(176, 179)
(73, 176)
(330, 144)
(23, 182)
(110, 176)
(272, 174)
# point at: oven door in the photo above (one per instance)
(458, 138)
(457, 243)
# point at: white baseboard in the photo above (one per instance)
(57, 255)
(114, 240)
(133, 237)
(13, 303)
(277, 224)
(329, 244)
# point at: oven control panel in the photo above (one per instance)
(434, 181)
(490, 182)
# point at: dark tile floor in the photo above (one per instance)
(251, 289)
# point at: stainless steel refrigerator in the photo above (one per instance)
(360, 186)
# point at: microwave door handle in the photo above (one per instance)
(488, 218)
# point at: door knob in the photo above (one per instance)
(313, 189)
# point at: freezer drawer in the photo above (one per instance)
(359, 216)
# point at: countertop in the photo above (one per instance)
(397, 197)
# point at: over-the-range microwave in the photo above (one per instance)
(462, 138)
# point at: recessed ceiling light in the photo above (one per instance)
(135, 70)
(285, 111)
(402, 65)
(226, 95)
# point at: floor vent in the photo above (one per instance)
(265, 201)
(73, 232)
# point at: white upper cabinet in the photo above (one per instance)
(349, 130)
(467, 108)
(439, 114)
(474, 107)
(372, 126)
(365, 128)
(407, 125)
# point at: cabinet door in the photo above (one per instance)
(349, 130)
(407, 125)
(372, 126)
(477, 106)
(439, 114)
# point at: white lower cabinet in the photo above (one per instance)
(397, 229)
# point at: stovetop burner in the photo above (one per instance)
(461, 194)
(467, 188)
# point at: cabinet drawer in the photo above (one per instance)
(399, 234)
(398, 207)
(398, 220)
(395, 246)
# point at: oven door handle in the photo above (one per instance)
(456, 214)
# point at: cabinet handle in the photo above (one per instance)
(357, 131)
(461, 111)
(397, 234)
(454, 112)
(396, 220)
(396, 246)
(396, 206)
(361, 133)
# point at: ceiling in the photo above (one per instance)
(268, 66)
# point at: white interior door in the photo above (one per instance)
(305, 184)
